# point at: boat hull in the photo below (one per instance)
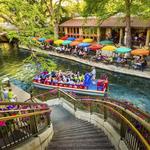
(75, 90)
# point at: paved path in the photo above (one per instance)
(71, 133)
(21, 94)
(145, 74)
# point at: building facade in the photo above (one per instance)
(112, 28)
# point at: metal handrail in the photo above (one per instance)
(132, 126)
(111, 106)
(29, 121)
(20, 103)
(24, 115)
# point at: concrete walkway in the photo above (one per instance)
(21, 95)
(144, 74)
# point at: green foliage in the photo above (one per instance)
(40, 62)
(107, 8)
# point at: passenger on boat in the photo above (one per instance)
(93, 73)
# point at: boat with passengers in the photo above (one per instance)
(72, 82)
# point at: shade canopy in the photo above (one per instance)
(88, 40)
(123, 50)
(106, 42)
(66, 42)
(58, 42)
(74, 43)
(35, 38)
(84, 44)
(140, 52)
(79, 39)
(64, 38)
(71, 38)
(109, 48)
(41, 39)
(49, 41)
(95, 47)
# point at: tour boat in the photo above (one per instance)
(93, 87)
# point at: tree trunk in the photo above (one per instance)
(128, 24)
(56, 30)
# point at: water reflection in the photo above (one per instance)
(122, 87)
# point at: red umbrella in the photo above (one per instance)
(49, 41)
(95, 47)
(64, 38)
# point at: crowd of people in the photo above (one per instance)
(8, 95)
(135, 62)
(67, 77)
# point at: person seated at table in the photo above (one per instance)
(74, 52)
(143, 63)
(81, 53)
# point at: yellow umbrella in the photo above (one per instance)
(58, 42)
(109, 48)
(88, 40)
(34, 39)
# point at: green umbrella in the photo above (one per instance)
(106, 42)
(66, 42)
(123, 50)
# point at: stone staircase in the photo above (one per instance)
(74, 134)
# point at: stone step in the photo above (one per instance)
(80, 133)
(87, 148)
(75, 134)
(81, 146)
(70, 127)
(86, 136)
(81, 140)
(78, 130)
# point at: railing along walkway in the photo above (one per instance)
(19, 121)
(133, 130)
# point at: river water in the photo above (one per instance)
(122, 87)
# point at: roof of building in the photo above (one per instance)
(113, 21)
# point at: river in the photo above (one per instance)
(122, 87)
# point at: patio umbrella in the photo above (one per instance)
(41, 39)
(64, 38)
(74, 43)
(79, 39)
(84, 44)
(58, 42)
(34, 39)
(88, 40)
(123, 50)
(141, 52)
(50, 41)
(95, 47)
(66, 42)
(106, 42)
(109, 48)
(71, 38)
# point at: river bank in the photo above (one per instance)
(113, 68)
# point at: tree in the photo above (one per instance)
(57, 10)
(32, 15)
(103, 9)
